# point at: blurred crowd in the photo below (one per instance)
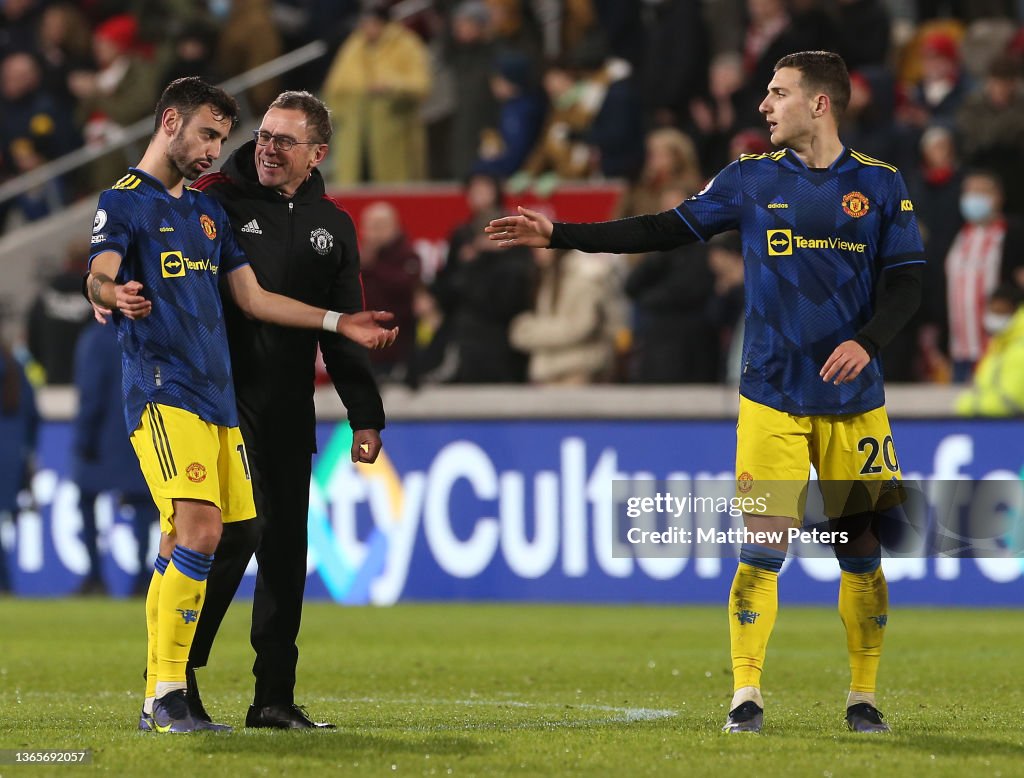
(521, 96)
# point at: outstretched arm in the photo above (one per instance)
(651, 232)
(365, 328)
(529, 228)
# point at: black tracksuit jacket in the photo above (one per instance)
(303, 247)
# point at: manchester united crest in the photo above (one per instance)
(745, 482)
(209, 226)
(855, 205)
(322, 241)
(196, 473)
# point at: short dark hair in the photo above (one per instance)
(318, 117)
(987, 173)
(188, 95)
(822, 71)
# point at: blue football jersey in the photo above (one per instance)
(176, 248)
(814, 244)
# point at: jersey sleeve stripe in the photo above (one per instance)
(775, 156)
(689, 224)
(108, 250)
(920, 261)
(129, 181)
(866, 160)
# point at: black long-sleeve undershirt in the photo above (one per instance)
(897, 301)
(636, 234)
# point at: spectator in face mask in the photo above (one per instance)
(998, 386)
(987, 250)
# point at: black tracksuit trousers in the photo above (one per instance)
(278, 536)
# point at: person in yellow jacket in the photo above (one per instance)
(375, 89)
(998, 385)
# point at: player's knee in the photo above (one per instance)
(860, 565)
(762, 557)
(854, 535)
(201, 536)
(856, 543)
(166, 545)
(205, 539)
(197, 525)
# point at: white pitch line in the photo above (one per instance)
(620, 714)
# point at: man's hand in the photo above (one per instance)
(365, 328)
(530, 228)
(130, 301)
(365, 446)
(99, 313)
(845, 363)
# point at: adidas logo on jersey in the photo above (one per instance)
(252, 227)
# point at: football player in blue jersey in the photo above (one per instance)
(833, 261)
(159, 250)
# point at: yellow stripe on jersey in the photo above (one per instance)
(772, 155)
(865, 159)
(129, 181)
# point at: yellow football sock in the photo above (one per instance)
(753, 605)
(181, 600)
(864, 608)
(152, 616)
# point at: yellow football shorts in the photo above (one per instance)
(853, 455)
(184, 457)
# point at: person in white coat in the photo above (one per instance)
(570, 334)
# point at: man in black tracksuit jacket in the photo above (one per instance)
(301, 244)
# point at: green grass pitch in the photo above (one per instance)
(524, 690)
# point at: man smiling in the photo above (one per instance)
(302, 244)
(159, 252)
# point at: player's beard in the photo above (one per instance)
(178, 155)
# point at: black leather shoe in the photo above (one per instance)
(195, 702)
(282, 717)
